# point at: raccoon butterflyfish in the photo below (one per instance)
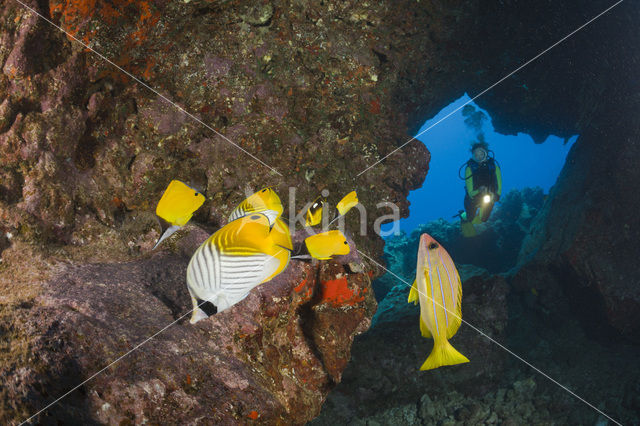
(265, 201)
(326, 244)
(438, 289)
(314, 212)
(176, 206)
(234, 260)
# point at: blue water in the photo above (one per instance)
(523, 164)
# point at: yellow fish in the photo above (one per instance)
(234, 260)
(347, 203)
(281, 235)
(177, 205)
(265, 201)
(439, 290)
(323, 246)
(314, 213)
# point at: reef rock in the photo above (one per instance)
(384, 371)
(124, 328)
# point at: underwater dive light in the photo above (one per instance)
(486, 199)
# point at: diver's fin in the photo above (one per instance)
(424, 330)
(443, 354)
(477, 219)
(467, 228)
(413, 293)
(170, 231)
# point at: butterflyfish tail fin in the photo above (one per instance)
(197, 315)
(443, 354)
(169, 232)
(413, 293)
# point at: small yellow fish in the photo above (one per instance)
(265, 201)
(314, 213)
(438, 289)
(234, 260)
(347, 203)
(323, 246)
(177, 205)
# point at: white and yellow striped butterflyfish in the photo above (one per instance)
(265, 201)
(234, 260)
(439, 290)
(176, 206)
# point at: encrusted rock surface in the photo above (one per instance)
(319, 91)
(384, 370)
(271, 358)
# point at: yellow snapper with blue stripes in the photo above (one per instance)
(439, 290)
(176, 206)
(265, 201)
(235, 259)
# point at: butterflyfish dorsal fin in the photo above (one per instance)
(281, 235)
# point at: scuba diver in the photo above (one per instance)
(483, 186)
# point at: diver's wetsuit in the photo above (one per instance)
(477, 175)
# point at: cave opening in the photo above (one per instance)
(524, 163)
(529, 169)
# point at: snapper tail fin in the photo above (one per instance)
(443, 354)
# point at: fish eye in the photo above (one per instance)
(433, 246)
(196, 194)
(346, 242)
(264, 190)
(255, 217)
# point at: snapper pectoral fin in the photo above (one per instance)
(443, 354)
(413, 293)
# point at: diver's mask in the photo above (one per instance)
(480, 155)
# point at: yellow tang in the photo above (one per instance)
(347, 203)
(177, 205)
(314, 213)
(323, 246)
(438, 289)
(265, 201)
(238, 257)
